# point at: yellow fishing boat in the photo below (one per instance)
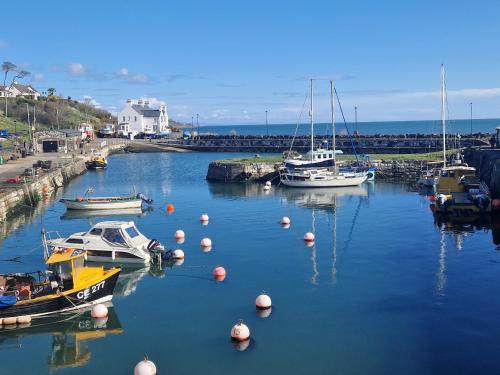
(460, 192)
(66, 285)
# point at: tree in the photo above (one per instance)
(7, 66)
(19, 74)
(51, 91)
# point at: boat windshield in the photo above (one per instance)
(132, 232)
(114, 235)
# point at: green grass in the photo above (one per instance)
(272, 159)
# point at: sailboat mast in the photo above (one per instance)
(443, 112)
(333, 126)
(312, 118)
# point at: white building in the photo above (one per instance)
(16, 90)
(140, 118)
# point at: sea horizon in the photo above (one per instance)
(462, 126)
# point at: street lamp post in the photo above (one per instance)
(267, 124)
(356, 119)
(198, 125)
(470, 118)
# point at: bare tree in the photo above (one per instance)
(19, 74)
(7, 67)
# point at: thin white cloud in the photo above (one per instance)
(123, 72)
(3, 44)
(90, 100)
(38, 77)
(76, 69)
(153, 102)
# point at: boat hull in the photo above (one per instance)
(99, 292)
(72, 204)
(292, 164)
(334, 182)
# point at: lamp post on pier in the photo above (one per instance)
(470, 118)
(267, 125)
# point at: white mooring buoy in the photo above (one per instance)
(179, 234)
(309, 237)
(240, 331)
(263, 301)
(145, 367)
(99, 311)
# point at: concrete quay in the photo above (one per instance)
(26, 190)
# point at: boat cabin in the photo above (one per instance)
(456, 179)
(321, 154)
(65, 270)
(111, 241)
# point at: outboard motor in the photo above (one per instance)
(156, 250)
(144, 198)
(441, 199)
(482, 201)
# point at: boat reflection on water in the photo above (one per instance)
(132, 274)
(89, 214)
(70, 336)
(324, 198)
(467, 225)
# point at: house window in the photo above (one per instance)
(135, 118)
(123, 118)
(129, 118)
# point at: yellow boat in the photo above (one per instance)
(459, 192)
(97, 162)
(66, 286)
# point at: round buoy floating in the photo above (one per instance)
(179, 234)
(206, 242)
(267, 187)
(240, 331)
(309, 237)
(268, 183)
(219, 273)
(263, 302)
(170, 208)
(177, 254)
(285, 220)
(145, 367)
(45, 189)
(204, 218)
(99, 311)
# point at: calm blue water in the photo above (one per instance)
(383, 291)
(365, 128)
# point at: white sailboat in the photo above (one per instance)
(321, 177)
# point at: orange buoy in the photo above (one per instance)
(204, 218)
(240, 331)
(145, 367)
(495, 204)
(206, 242)
(179, 234)
(285, 220)
(170, 208)
(99, 311)
(177, 254)
(309, 237)
(263, 301)
(219, 273)
(45, 189)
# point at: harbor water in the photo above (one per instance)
(384, 290)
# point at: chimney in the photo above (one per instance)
(139, 102)
(129, 101)
(146, 103)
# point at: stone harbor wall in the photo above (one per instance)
(487, 164)
(238, 172)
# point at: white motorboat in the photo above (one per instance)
(112, 241)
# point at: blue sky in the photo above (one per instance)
(229, 61)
